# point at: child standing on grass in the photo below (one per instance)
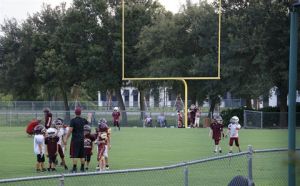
(88, 145)
(102, 142)
(39, 147)
(233, 131)
(216, 132)
(52, 147)
(61, 133)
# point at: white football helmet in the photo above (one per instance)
(116, 109)
(218, 119)
(234, 119)
(52, 132)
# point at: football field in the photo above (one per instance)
(153, 147)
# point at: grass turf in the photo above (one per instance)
(149, 147)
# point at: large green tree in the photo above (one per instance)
(17, 70)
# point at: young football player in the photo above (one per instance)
(39, 147)
(51, 142)
(62, 130)
(88, 145)
(107, 148)
(116, 117)
(216, 132)
(102, 142)
(233, 131)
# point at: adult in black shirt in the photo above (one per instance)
(77, 140)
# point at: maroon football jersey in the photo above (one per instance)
(88, 143)
(51, 145)
(217, 129)
(116, 116)
(48, 120)
(102, 140)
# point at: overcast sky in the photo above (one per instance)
(20, 9)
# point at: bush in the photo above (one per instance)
(228, 113)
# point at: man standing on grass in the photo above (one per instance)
(77, 140)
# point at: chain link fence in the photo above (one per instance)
(259, 119)
(262, 167)
(128, 118)
(170, 105)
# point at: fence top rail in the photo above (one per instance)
(273, 150)
(217, 158)
(123, 171)
(254, 111)
(257, 111)
(182, 164)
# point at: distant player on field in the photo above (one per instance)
(216, 132)
(233, 131)
(197, 118)
(116, 117)
(48, 117)
(179, 119)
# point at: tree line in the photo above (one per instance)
(57, 52)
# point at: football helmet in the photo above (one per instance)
(116, 109)
(39, 129)
(87, 128)
(52, 132)
(102, 125)
(58, 122)
(234, 119)
(218, 119)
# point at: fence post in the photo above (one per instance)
(250, 156)
(261, 119)
(245, 122)
(186, 176)
(62, 180)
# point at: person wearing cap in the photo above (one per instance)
(77, 141)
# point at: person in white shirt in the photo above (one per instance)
(39, 147)
(62, 132)
(233, 132)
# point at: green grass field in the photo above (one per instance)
(151, 147)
